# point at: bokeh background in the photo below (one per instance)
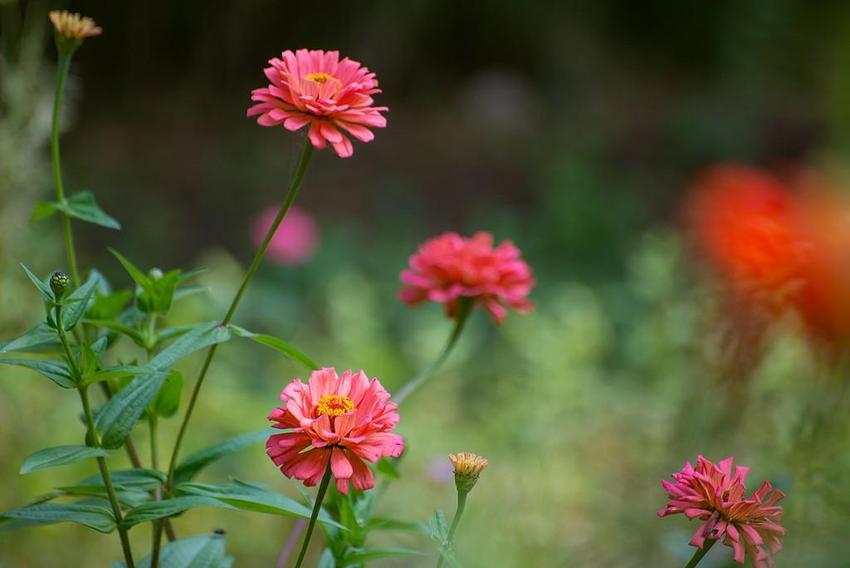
(572, 128)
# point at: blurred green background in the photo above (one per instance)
(569, 127)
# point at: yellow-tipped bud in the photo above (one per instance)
(467, 468)
(72, 29)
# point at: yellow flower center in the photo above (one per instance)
(320, 78)
(334, 405)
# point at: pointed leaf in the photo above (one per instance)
(203, 335)
(42, 210)
(205, 551)
(93, 516)
(60, 455)
(75, 305)
(137, 275)
(40, 336)
(56, 371)
(278, 345)
(250, 497)
(169, 508)
(118, 372)
(168, 400)
(134, 478)
(84, 207)
(118, 416)
(42, 285)
(121, 328)
(189, 467)
(326, 560)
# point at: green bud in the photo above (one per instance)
(59, 282)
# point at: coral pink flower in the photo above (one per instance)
(345, 419)
(295, 240)
(450, 267)
(716, 495)
(315, 88)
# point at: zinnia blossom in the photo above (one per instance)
(716, 494)
(314, 88)
(295, 240)
(345, 419)
(449, 267)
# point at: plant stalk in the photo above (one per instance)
(461, 505)
(320, 496)
(464, 310)
(63, 66)
(700, 552)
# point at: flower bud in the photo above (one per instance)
(467, 468)
(71, 30)
(155, 273)
(59, 282)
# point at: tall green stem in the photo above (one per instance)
(157, 525)
(294, 186)
(461, 505)
(700, 552)
(320, 496)
(93, 441)
(464, 310)
(64, 65)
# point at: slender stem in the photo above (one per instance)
(320, 496)
(461, 505)
(292, 192)
(64, 65)
(92, 440)
(700, 552)
(462, 316)
(156, 535)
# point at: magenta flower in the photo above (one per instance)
(345, 419)
(315, 88)
(450, 267)
(716, 495)
(295, 240)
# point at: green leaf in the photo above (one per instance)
(84, 207)
(168, 333)
(168, 508)
(359, 555)
(278, 345)
(42, 210)
(60, 455)
(251, 497)
(388, 467)
(108, 306)
(439, 532)
(137, 275)
(40, 336)
(203, 335)
(168, 399)
(189, 467)
(134, 478)
(118, 416)
(56, 371)
(205, 551)
(190, 290)
(42, 285)
(93, 516)
(121, 328)
(75, 305)
(118, 372)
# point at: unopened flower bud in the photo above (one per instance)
(467, 468)
(72, 29)
(155, 273)
(59, 282)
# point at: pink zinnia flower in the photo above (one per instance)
(450, 267)
(295, 240)
(315, 88)
(345, 419)
(716, 495)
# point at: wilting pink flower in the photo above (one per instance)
(450, 267)
(295, 240)
(716, 495)
(345, 419)
(315, 88)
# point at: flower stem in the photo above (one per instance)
(294, 186)
(320, 496)
(156, 534)
(700, 552)
(461, 505)
(464, 310)
(64, 65)
(92, 440)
